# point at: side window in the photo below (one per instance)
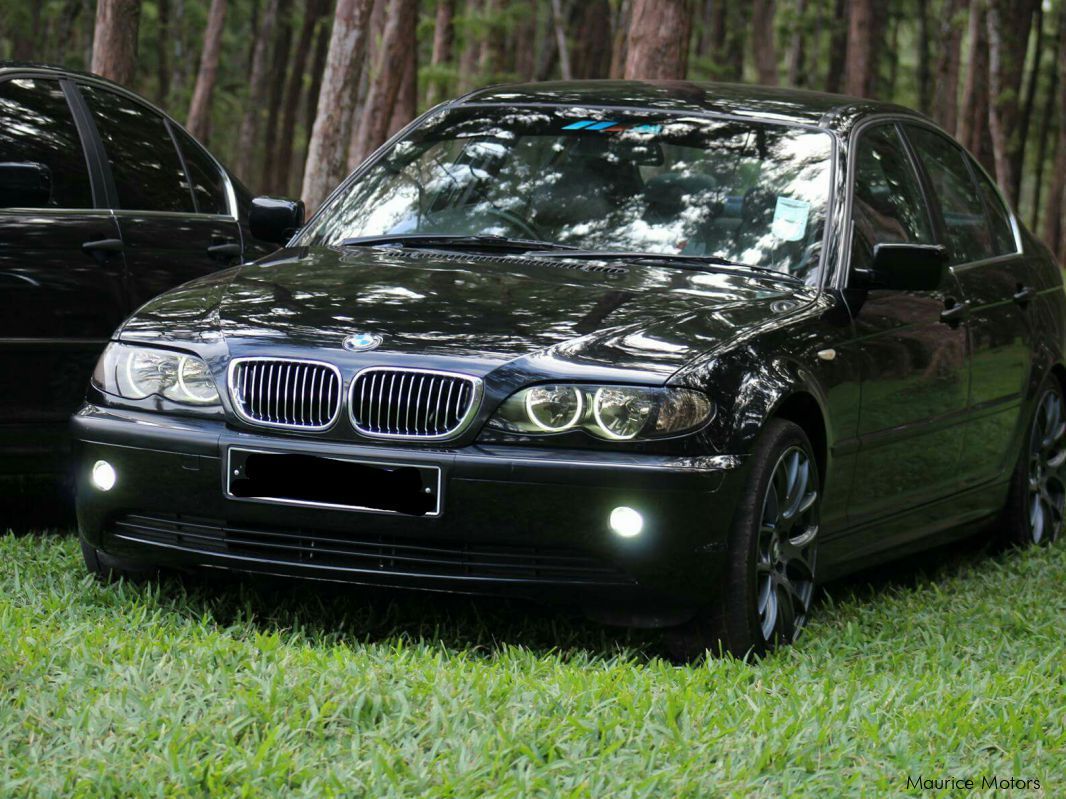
(36, 126)
(144, 161)
(888, 206)
(208, 185)
(998, 218)
(969, 235)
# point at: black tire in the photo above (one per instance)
(1033, 515)
(766, 596)
(108, 569)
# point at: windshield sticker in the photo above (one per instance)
(790, 218)
(612, 127)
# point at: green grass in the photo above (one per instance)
(187, 689)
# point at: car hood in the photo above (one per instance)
(484, 309)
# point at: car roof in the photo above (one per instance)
(795, 106)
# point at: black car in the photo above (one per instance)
(670, 352)
(104, 203)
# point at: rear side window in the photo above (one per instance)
(208, 185)
(971, 236)
(36, 126)
(144, 160)
(998, 218)
(888, 206)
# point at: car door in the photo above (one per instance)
(998, 285)
(175, 217)
(61, 272)
(915, 362)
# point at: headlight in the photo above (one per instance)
(140, 372)
(616, 413)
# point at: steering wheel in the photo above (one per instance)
(515, 221)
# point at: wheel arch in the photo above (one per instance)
(801, 408)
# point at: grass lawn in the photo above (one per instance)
(243, 688)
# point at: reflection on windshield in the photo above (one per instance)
(749, 192)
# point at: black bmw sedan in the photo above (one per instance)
(670, 352)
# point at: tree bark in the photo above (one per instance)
(659, 33)
(797, 51)
(863, 48)
(1047, 116)
(620, 38)
(1009, 23)
(328, 148)
(200, 107)
(525, 43)
(406, 106)
(944, 101)
(925, 69)
(443, 45)
(470, 57)
(590, 56)
(162, 65)
(278, 67)
(1055, 210)
(115, 39)
(1030, 94)
(763, 46)
(562, 49)
(838, 44)
(397, 43)
(973, 121)
(251, 120)
(293, 94)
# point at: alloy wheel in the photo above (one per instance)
(1047, 487)
(787, 546)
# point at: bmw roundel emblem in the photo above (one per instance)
(361, 342)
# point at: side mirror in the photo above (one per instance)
(905, 267)
(275, 219)
(25, 184)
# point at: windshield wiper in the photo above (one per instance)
(668, 257)
(456, 241)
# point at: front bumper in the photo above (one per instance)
(520, 521)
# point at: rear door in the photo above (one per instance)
(61, 271)
(172, 205)
(986, 259)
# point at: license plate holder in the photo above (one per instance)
(351, 484)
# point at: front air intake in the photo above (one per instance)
(413, 403)
(293, 394)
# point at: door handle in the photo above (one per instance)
(103, 245)
(955, 313)
(227, 250)
(1024, 294)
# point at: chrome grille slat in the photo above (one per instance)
(299, 395)
(390, 402)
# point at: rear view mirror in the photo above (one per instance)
(25, 184)
(275, 219)
(906, 267)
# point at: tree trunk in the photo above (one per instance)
(973, 121)
(797, 51)
(251, 121)
(328, 148)
(115, 39)
(1030, 94)
(470, 57)
(659, 33)
(200, 108)
(162, 89)
(293, 93)
(863, 48)
(763, 47)
(443, 44)
(525, 44)
(925, 70)
(1009, 23)
(180, 64)
(1055, 210)
(590, 56)
(562, 49)
(944, 102)
(406, 106)
(1046, 118)
(396, 44)
(620, 38)
(838, 44)
(278, 67)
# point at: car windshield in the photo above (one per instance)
(752, 193)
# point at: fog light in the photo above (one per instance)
(626, 522)
(104, 476)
